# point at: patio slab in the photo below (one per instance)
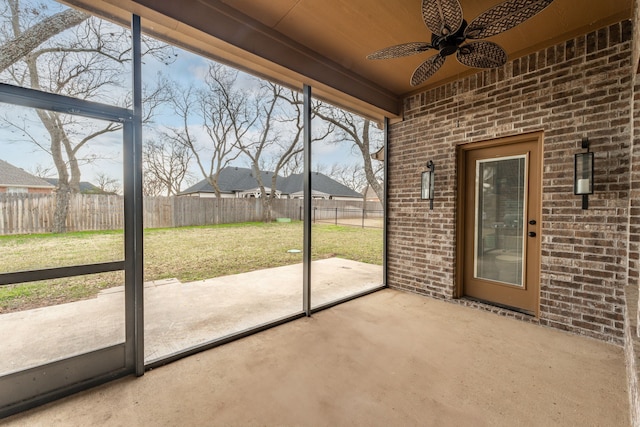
(177, 315)
(386, 359)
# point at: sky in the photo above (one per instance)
(21, 132)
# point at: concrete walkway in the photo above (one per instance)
(177, 315)
(386, 359)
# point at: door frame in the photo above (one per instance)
(461, 151)
(40, 384)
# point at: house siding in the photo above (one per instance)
(581, 87)
(31, 190)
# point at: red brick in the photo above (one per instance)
(579, 87)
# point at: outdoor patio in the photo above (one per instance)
(177, 315)
(389, 358)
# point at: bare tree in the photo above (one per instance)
(358, 130)
(277, 144)
(166, 167)
(232, 116)
(107, 184)
(350, 175)
(42, 171)
(354, 177)
(86, 63)
(219, 111)
(294, 165)
(263, 107)
(288, 154)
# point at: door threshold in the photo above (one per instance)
(503, 306)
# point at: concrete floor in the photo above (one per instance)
(386, 359)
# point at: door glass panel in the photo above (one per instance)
(499, 216)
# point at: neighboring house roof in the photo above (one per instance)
(231, 180)
(234, 179)
(12, 176)
(320, 183)
(85, 187)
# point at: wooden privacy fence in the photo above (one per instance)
(33, 213)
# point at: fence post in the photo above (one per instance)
(336, 216)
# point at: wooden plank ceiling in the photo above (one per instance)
(325, 43)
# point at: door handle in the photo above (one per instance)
(532, 234)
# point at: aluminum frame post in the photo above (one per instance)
(137, 199)
(306, 259)
(385, 198)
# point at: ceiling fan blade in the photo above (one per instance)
(482, 55)
(442, 17)
(427, 69)
(503, 17)
(400, 50)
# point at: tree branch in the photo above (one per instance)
(27, 41)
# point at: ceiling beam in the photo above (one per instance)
(230, 26)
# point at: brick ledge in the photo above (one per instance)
(632, 351)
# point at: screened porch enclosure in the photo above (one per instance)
(106, 295)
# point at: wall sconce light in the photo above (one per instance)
(428, 183)
(583, 174)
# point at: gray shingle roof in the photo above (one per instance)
(234, 179)
(85, 187)
(319, 183)
(12, 176)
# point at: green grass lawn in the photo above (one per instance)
(188, 254)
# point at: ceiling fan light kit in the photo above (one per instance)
(450, 32)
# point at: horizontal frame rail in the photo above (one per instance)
(59, 272)
(26, 97)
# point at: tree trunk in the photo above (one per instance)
(368, 167)
(63, 190)
(365, 193)
(267, 209)
(63, 196)
(51, 121)
(274, 184)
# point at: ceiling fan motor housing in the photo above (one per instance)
(448, 44)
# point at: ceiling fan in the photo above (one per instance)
(450, 31)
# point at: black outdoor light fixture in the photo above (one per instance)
(583, 174)
(428, 184)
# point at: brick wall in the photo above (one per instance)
(582, 87)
